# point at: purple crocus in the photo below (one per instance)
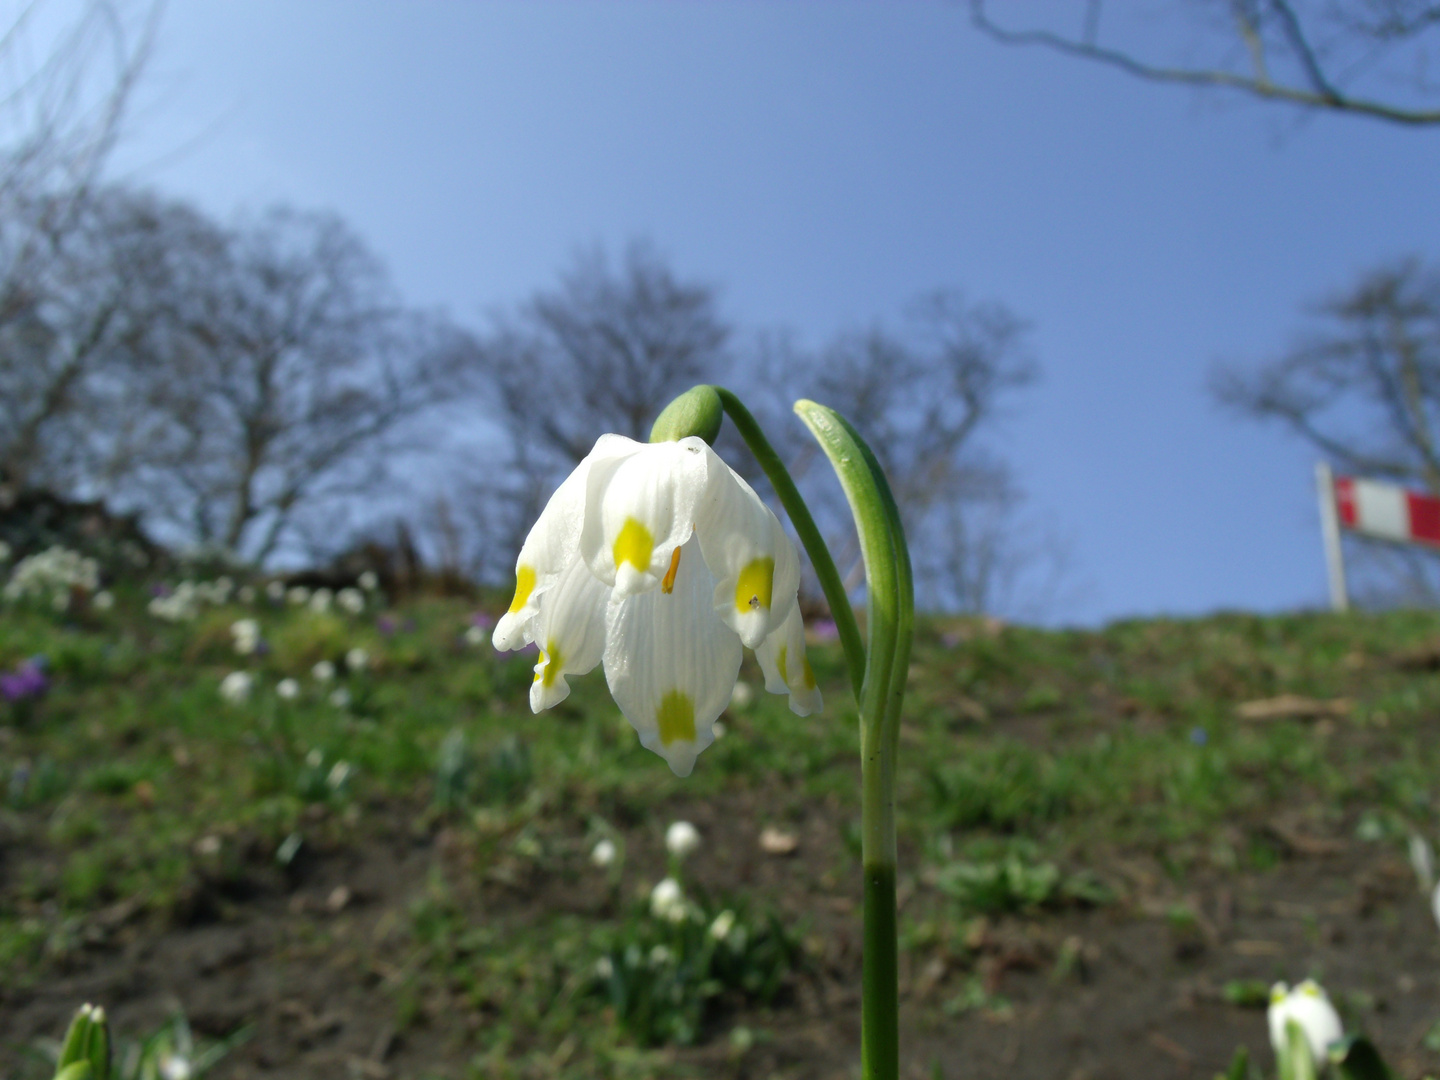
(26, 681)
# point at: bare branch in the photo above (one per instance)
(1317, 90)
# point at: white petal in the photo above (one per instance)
(552, 544)
(640, 507)
(671, 664)
(570, 628)
(787, 669)
(755, 564)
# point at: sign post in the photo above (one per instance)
(1330, 530)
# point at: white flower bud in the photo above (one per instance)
(681, 839)
(1309, 1007)
(603, 853)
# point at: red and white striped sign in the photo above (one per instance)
(1387, 511)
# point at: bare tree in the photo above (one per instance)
(1362, 385)
(605, 350)
(1311, 55)
(59, 297)
(290, 371)
(923, 397)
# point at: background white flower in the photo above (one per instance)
(288, 689)
(1309, 1006)
(235, 687)
(603, 854)
(357, 659)
(323, 671)
(681, 839)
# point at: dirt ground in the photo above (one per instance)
(313, 960)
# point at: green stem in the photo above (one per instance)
(890, 624)
(820, 559)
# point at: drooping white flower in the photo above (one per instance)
(357, 659)
(722, 926)
(603, 853)
(323, 671)
(660, 561)
(667, 901)
(104, 600)
(681, 839)
(235, 687)
(1309, 1006)
(288, 689)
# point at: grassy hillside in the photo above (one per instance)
(1107, 855)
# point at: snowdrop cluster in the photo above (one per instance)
(246, 633)
(235, 687)
(52, 574)
(183, 604)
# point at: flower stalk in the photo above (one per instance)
(878, 671)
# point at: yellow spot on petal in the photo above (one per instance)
(780, 663)
(809, 674)
(553, 661)
(524, 586)
(753, 586)
(676, 718)
(668, 585)
(634, 545)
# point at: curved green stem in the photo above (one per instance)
(820, 559)
(890, 625)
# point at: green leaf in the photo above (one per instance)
(1357, 1059)
(76, 1038)
(1239, 1066)
(1296, 1062)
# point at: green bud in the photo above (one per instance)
(77, 1038)
(698, 411)
(97, 1049)
(80, 1070)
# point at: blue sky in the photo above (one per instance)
(822, 163)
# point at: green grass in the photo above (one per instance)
(1027, 756)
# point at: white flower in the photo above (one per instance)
(668, 902)
(742, 696)
(288, 689)
(340, 697)
(297, 595)
(275, 591)
(175, 1067)
(604, 969)
(324, 671)
(357, 659)
(474, 635)
(660, 955)
(368, 581)
(724, 923)
(235, 687)
(351, 599)
(1309, 1007)
(658, 559)
(104, 600)
(246, 633)
(681, 839)
(603, 853)
(339, 773)
(320, 600)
